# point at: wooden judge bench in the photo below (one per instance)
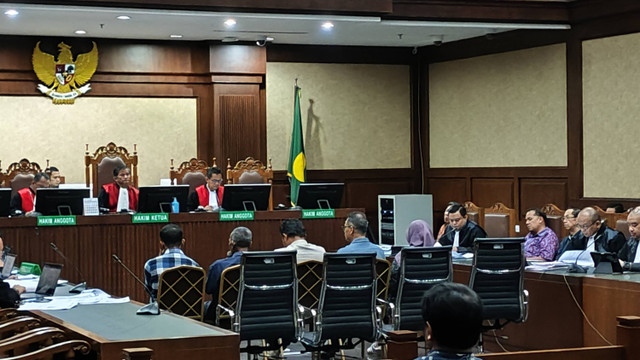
(92, 241)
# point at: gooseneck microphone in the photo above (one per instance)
(152, 307)
(83, 284)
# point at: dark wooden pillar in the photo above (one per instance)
(239, 118)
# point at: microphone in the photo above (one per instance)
(83, 285)
(575, 268)
(152, 307)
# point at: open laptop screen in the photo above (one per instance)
(49, 279)
(9, 261)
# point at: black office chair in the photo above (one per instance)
(420, 269)
(267, 306)
(497, 277)
(347, 308)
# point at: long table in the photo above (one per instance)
(555, 319)
(91, 242)
(109, 328)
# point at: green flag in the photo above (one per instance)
(297, 167)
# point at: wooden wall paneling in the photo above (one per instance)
(238, 131)
(445, 190)
(535, 193)
(486, 192)
(549, 11)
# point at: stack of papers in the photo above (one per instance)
(87, 297)
(546, 265)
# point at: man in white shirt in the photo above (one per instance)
(293, 238)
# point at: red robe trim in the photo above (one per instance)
(113, 190)
(27, 196)
(203, 195)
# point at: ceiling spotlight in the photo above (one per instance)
(230, 23)
(80, 32)
(12, 13)
(264, 40)
(327, 26)
(229, 39)
(269, 38)
(175, 36)
(124, 17)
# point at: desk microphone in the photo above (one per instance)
(152, 307)
(575, 268)
(83, 284)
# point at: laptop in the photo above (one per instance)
(47, 283)
(606, 263)
(9, 261)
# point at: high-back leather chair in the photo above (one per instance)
(554, 219)
(500, 221)
(192, 173)
(99, 165)
(620, 224)
(20, 174)
(250, 171)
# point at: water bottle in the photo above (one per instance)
(175, 206)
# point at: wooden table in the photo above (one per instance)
(555, 299)
(93, 240)
(109, 328)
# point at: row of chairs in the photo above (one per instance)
(26, 338)
(264, 302)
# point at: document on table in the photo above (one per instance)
(546, 265)
(86, 297)
(579, 257)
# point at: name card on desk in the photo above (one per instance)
(150, 218)
(64, 220)
(319, 214)
(236, 215)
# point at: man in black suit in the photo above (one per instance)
(461, 232)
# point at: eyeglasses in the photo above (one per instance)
(344, 227)
(217, 181)
(567, 218)
(585, 227)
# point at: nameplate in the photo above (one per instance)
(236, 215)
(64, 220)
(319, 214)
(150, 218)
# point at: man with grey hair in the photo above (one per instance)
(354, 228)
(597, 236)
(629, 255)
(239, 241)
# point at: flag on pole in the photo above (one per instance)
(297, 167)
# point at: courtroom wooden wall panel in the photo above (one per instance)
(173, 58)
(238, 59)
(482, 11)
(538, 192)
(486, 192)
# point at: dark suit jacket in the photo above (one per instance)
(9, 298)
(628, 254)
(468, 234)
(565, 244)
(607, 240)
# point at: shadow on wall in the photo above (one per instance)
(313, 139)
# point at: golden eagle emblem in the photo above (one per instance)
(63, 77)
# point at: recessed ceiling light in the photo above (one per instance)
(124, 17)
(80, 32)
(12, 13)
(175, 36)
(269, 38)
(230, 23)
(327, 26)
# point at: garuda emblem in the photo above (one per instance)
(63, 78)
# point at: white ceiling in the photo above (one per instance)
(44, 20)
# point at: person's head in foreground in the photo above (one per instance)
(453, 317)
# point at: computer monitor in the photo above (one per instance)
(320, 195)
(239, 197)
(158, 198)
(60, 201)
(5, 200)
(9, 261)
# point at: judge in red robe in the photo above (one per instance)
(208, 196)
(110, 194)
(24, 200)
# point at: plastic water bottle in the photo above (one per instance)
(175, 206)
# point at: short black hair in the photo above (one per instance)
(358, 220)
(619, 209)
(171, 235)
(51, 169)
(575, 212)
(118, 168)
(458, 207)
(292, 227)
(538, 212)
(454, 312)
(213, 170)
(39, 176)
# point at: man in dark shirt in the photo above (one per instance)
(629, 255)
(461, 232)
(239, 241)
(597, 236)
(570, 222)
(453, 321)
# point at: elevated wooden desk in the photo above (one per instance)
(110, 328)
(91, 242)
(555, 321)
